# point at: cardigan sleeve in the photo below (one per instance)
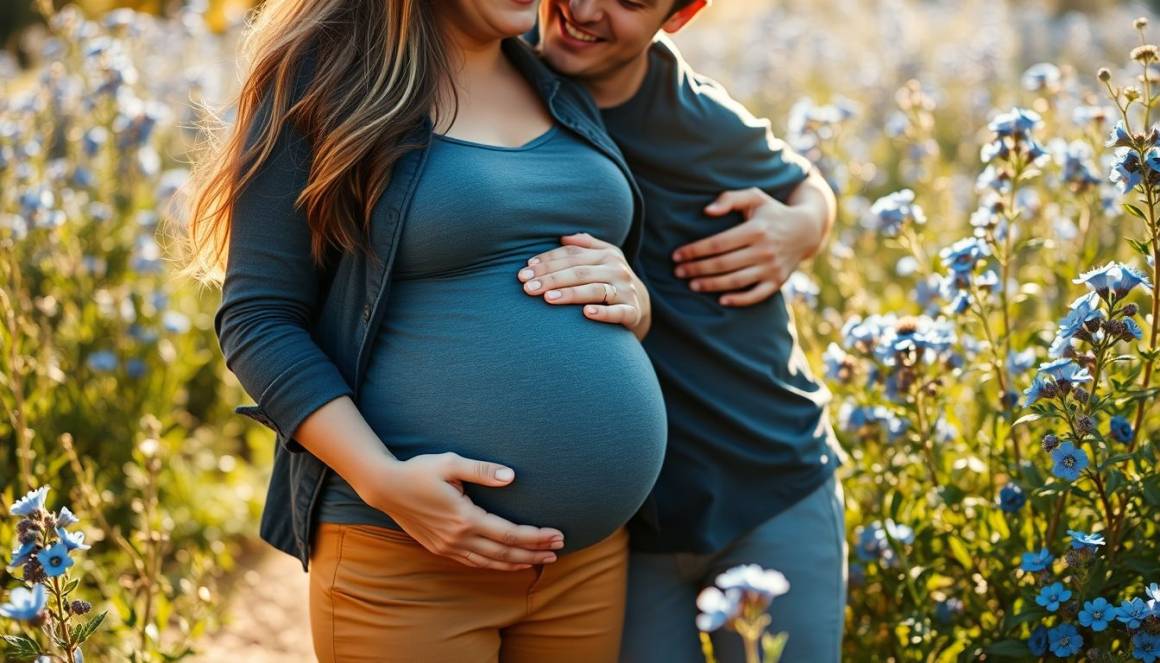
(271, 293)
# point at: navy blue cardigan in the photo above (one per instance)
(296, 336)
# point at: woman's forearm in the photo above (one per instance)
(338, 435)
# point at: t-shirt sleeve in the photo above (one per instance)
(747, 153)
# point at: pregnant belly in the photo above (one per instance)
(473, 365)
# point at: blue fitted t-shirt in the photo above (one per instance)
(466, 361)
(749, 432)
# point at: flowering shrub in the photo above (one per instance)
(111, 382)
(1001, 416)
(44, 553)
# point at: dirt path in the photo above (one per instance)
(267, 614)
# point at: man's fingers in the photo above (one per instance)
(727, 262)
(527, 537)
(742, 278)
(758, 293)
(736, 237)
(742, 200)
(477, 471)
(617, 314)
(591, 293)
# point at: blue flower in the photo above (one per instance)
(1065, 370)
(1132, 328)
(1034, 392)
(102, 361)
(1121, 429)
(1052, 595)
(1011, 498)
(1042, 76)
(1119, 137)
(1020, 362)
(717, 608)
(1146, 647)
(1083, 310)
(1097, 613)
(1065, 640)
(55, 559)
(66, 518)
(754, 582)
(1153, 592)
(1126, 173)
(72, 540)
(1037, 643)
(24, 604)
(1152, 159)
(837, 363)
(1081, 540)
(963, 255)
(1017, 122)
(1034, 562)
(946, 611)
(1069, 461)
(889, 213)
(1114, 277)
(30, 503)
(22, 553)
(1133, 612)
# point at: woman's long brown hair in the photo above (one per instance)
(378, 65)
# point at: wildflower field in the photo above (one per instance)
(984, 313)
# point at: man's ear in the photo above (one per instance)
(682, 17)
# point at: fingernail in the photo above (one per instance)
(680, 272)
(557, 544)
(534, 261)
(553, 294)
(590, 310)
(695, 285)
(676, 255)
(526, 274)
(505, 474)
(533, 285)
(548, 558)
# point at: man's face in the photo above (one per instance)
(591, 39)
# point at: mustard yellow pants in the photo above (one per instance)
(376, 594)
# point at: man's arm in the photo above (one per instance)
(750, 261)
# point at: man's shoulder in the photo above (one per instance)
(699, 98)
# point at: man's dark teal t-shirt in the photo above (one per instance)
(749, 431)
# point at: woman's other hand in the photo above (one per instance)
(592, 273)
(425, 496)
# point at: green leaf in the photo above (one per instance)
(1009, 648)
(1026, 419)
(83, 631)
(960, 553)
(21, 647)
(1134, 211)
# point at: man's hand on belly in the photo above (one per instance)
(593, 273)
(750, 261)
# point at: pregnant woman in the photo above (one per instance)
(455, 460)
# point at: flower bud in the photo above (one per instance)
(1131, 310)
(1049, 442)
(1131, 93)
(1050, 390)
(1085, 424)
(80, 607)
(1104, 75)
(1140, 23)
(34, 572)
(1081, 394)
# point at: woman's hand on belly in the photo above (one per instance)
(425, 496)
(593, 273)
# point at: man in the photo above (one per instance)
(749, 473)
